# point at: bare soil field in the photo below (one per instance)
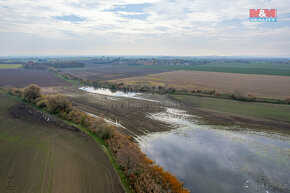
(111, 72)
(21, 77)
(38, 155)
(131, 113)
(242, 84)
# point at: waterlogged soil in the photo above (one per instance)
(127, 111)
(132, 112)
(210, 158)
(210, 151)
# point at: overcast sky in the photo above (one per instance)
(137, 27)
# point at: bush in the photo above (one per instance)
(31, 93)
(15, 92)
(58, 103)
(41, 103)
(106, 132)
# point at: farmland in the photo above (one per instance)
(21, 78)
(129, 112)
(251, 110)
(254, 67)
(9, 66)
(111, 72)
(241, 84)
(58, 158)
(40, 157)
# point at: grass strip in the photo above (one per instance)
(98, 139)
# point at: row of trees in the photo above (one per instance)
(236, 95)
(143, 174)
(45, 66)
(165, 90)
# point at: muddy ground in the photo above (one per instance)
(218, 118)
(132, 113)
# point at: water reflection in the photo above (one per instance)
(220, 159)
(108, 92)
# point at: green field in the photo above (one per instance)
(266, 68)
(275, 112)
(9, 66)
(38, 157)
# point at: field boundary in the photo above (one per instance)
(198, 92)
(124, 182)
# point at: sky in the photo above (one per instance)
(139, 27)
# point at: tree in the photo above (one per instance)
(58, 103)
(31, 93)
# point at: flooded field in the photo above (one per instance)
(207, 158)
(108, 92)
(219, 159)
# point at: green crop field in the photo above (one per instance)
(275, 112)
(9, 66)
(266, 68)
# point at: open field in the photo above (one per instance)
(129, 112)
(241, 84)
(21, 78)
(255, 67)
(111, 72)
(9, 66)
(132, 113)
(40, 157)
(275, 112)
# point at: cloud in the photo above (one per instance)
(134, 16)
(198, 27)
(71, 18)
(135, 8)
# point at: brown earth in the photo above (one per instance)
(241, 84)
(37, 156)
(21, 77)
(135, 119)
(219, 118)
(111, 72)
(131, 113)
(27, 113)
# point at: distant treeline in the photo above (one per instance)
(45, 66)
(164, 90)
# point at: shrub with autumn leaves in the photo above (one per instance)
(143, 174)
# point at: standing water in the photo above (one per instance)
(116, 94)
(212, 159)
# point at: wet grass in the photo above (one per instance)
(277, 112)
